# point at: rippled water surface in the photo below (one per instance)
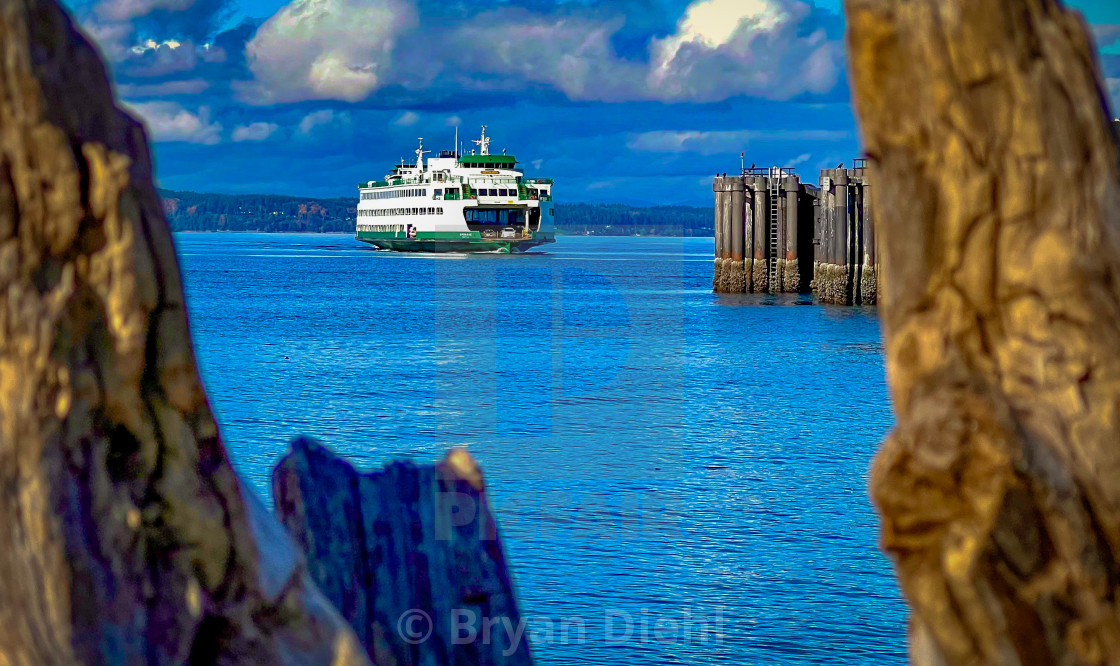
(680, 477)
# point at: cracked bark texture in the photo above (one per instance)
(998, 205)
(128, 537)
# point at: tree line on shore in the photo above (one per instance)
(195, 211)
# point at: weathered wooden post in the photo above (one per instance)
(843, 251)
(728, 234)
(760, 281)
(720, 217)
(737, 280)
(869, 278)
(822, 235)
(748, 234)
(791, 272)
(826, 271)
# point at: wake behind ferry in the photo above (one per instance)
(457, 203)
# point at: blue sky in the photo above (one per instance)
(634, 101)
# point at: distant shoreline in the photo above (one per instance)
(266, 213)
(350, 234)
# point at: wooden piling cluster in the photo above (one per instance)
(844, 270)
(763, 225)
(775, 234)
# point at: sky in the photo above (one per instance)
(627, 101)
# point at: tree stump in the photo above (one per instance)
(128, 537)
(410, 555)
(998, 203)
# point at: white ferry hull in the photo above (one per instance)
(457, 203)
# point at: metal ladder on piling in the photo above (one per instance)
(774, 186)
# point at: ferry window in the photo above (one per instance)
(438, 192)
(551, 212)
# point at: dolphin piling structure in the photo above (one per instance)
(776, 234)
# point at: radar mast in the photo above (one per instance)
(483, 143)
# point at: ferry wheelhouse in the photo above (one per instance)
(457, 203)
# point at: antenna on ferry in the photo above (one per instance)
(483, 143)
(420, 155)
(456, 146)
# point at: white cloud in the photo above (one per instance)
(348, 49)
(128, 29)
(253, 131)
(453, 121)
(713, 143)
(799, 160)
(168, 121)
(314, 119)
(505, 49)
(326, 49)
(407, 119)
(754, 47)
(181, 87)
(152, 45)
(1106, 35)
(123, 10)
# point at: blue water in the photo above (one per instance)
(688, 467)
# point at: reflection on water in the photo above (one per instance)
(656, 452)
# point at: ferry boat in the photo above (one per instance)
(457, 203)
